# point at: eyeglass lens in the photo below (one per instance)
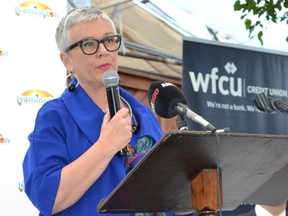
(90, 46)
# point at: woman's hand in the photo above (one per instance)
(116, 132)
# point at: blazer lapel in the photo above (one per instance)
(87, 115)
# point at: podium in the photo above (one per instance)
(252, 168)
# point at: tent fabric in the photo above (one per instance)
(140, 27)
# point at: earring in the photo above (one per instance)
(70, 79)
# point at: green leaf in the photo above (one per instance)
(260, 34)
(251, 4)
(248, 23)
(261, 12)
(237, 6)
(243, 16)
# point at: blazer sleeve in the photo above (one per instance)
(45, 157)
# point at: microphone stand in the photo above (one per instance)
(182, 125)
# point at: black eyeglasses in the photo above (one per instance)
(90, 46)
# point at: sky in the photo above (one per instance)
(221, 16)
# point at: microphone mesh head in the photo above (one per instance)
(163, 96)
(110, 78)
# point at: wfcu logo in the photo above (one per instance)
(4, 140)
(3, 52)
(34, 97)
(214, 83)
(34, 8)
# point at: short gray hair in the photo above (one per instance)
(74, 17)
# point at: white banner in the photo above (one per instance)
(31, 73)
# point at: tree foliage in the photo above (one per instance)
(257, 13)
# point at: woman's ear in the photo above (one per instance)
(66, 61)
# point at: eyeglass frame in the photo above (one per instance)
(99, 41)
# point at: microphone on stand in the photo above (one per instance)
(111, 80)
(166, 100)
(268, 104)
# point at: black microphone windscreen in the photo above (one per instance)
(163, 96)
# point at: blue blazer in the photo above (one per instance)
(64, 129)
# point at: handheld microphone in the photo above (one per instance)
(111, 80)
(166, 100)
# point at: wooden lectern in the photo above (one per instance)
(180, 174)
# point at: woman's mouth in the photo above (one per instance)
(104, 66)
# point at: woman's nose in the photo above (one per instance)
(102, 51)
